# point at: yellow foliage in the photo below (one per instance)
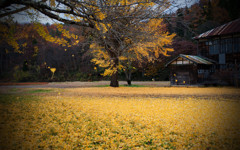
(11, 41)
(24, 45)
(8, 35)
(101, 27)
(66, 33)
(100, 15)
(61, 41)
(109, 71)
(102, 59)
(53, 70)
(52, 3)
(122, 118)
(121, 58)
(158, 41)
(35, 51)
(44, 34)
(147, 46)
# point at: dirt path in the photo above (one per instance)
(78, 84)
(153, 90)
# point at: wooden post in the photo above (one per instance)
(236, 73)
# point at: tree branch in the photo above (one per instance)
(13, 12)
(54, 16)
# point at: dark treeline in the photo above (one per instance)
(33, 62)
(36, 56)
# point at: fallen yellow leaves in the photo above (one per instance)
(94, 122)
(154, 91)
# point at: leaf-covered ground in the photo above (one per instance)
(120, 118)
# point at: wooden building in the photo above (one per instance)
(222, 44)
(221, 47)
(189, 69)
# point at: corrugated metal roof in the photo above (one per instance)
(194, 59)
(228, 28)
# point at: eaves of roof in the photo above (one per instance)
(194, 59)
(225, 29)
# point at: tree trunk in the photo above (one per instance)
(128, 74)
(129, 82)
(114, 80)
(114, 77)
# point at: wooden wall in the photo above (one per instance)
(183, 74)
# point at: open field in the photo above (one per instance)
(120, 118)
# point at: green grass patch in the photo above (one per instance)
(8, 98)
(133, 85)
(14, 90)
(103, 86)
(40, 91)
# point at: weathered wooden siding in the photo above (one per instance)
(183, 74)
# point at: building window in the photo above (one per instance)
(223, 46)
(236, 45)
(203, 48)
(214, 47)
(211, 48)
(222, 67)
(222, 59)
(228, 45)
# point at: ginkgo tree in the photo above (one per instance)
(147, 43)
(121, 30)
